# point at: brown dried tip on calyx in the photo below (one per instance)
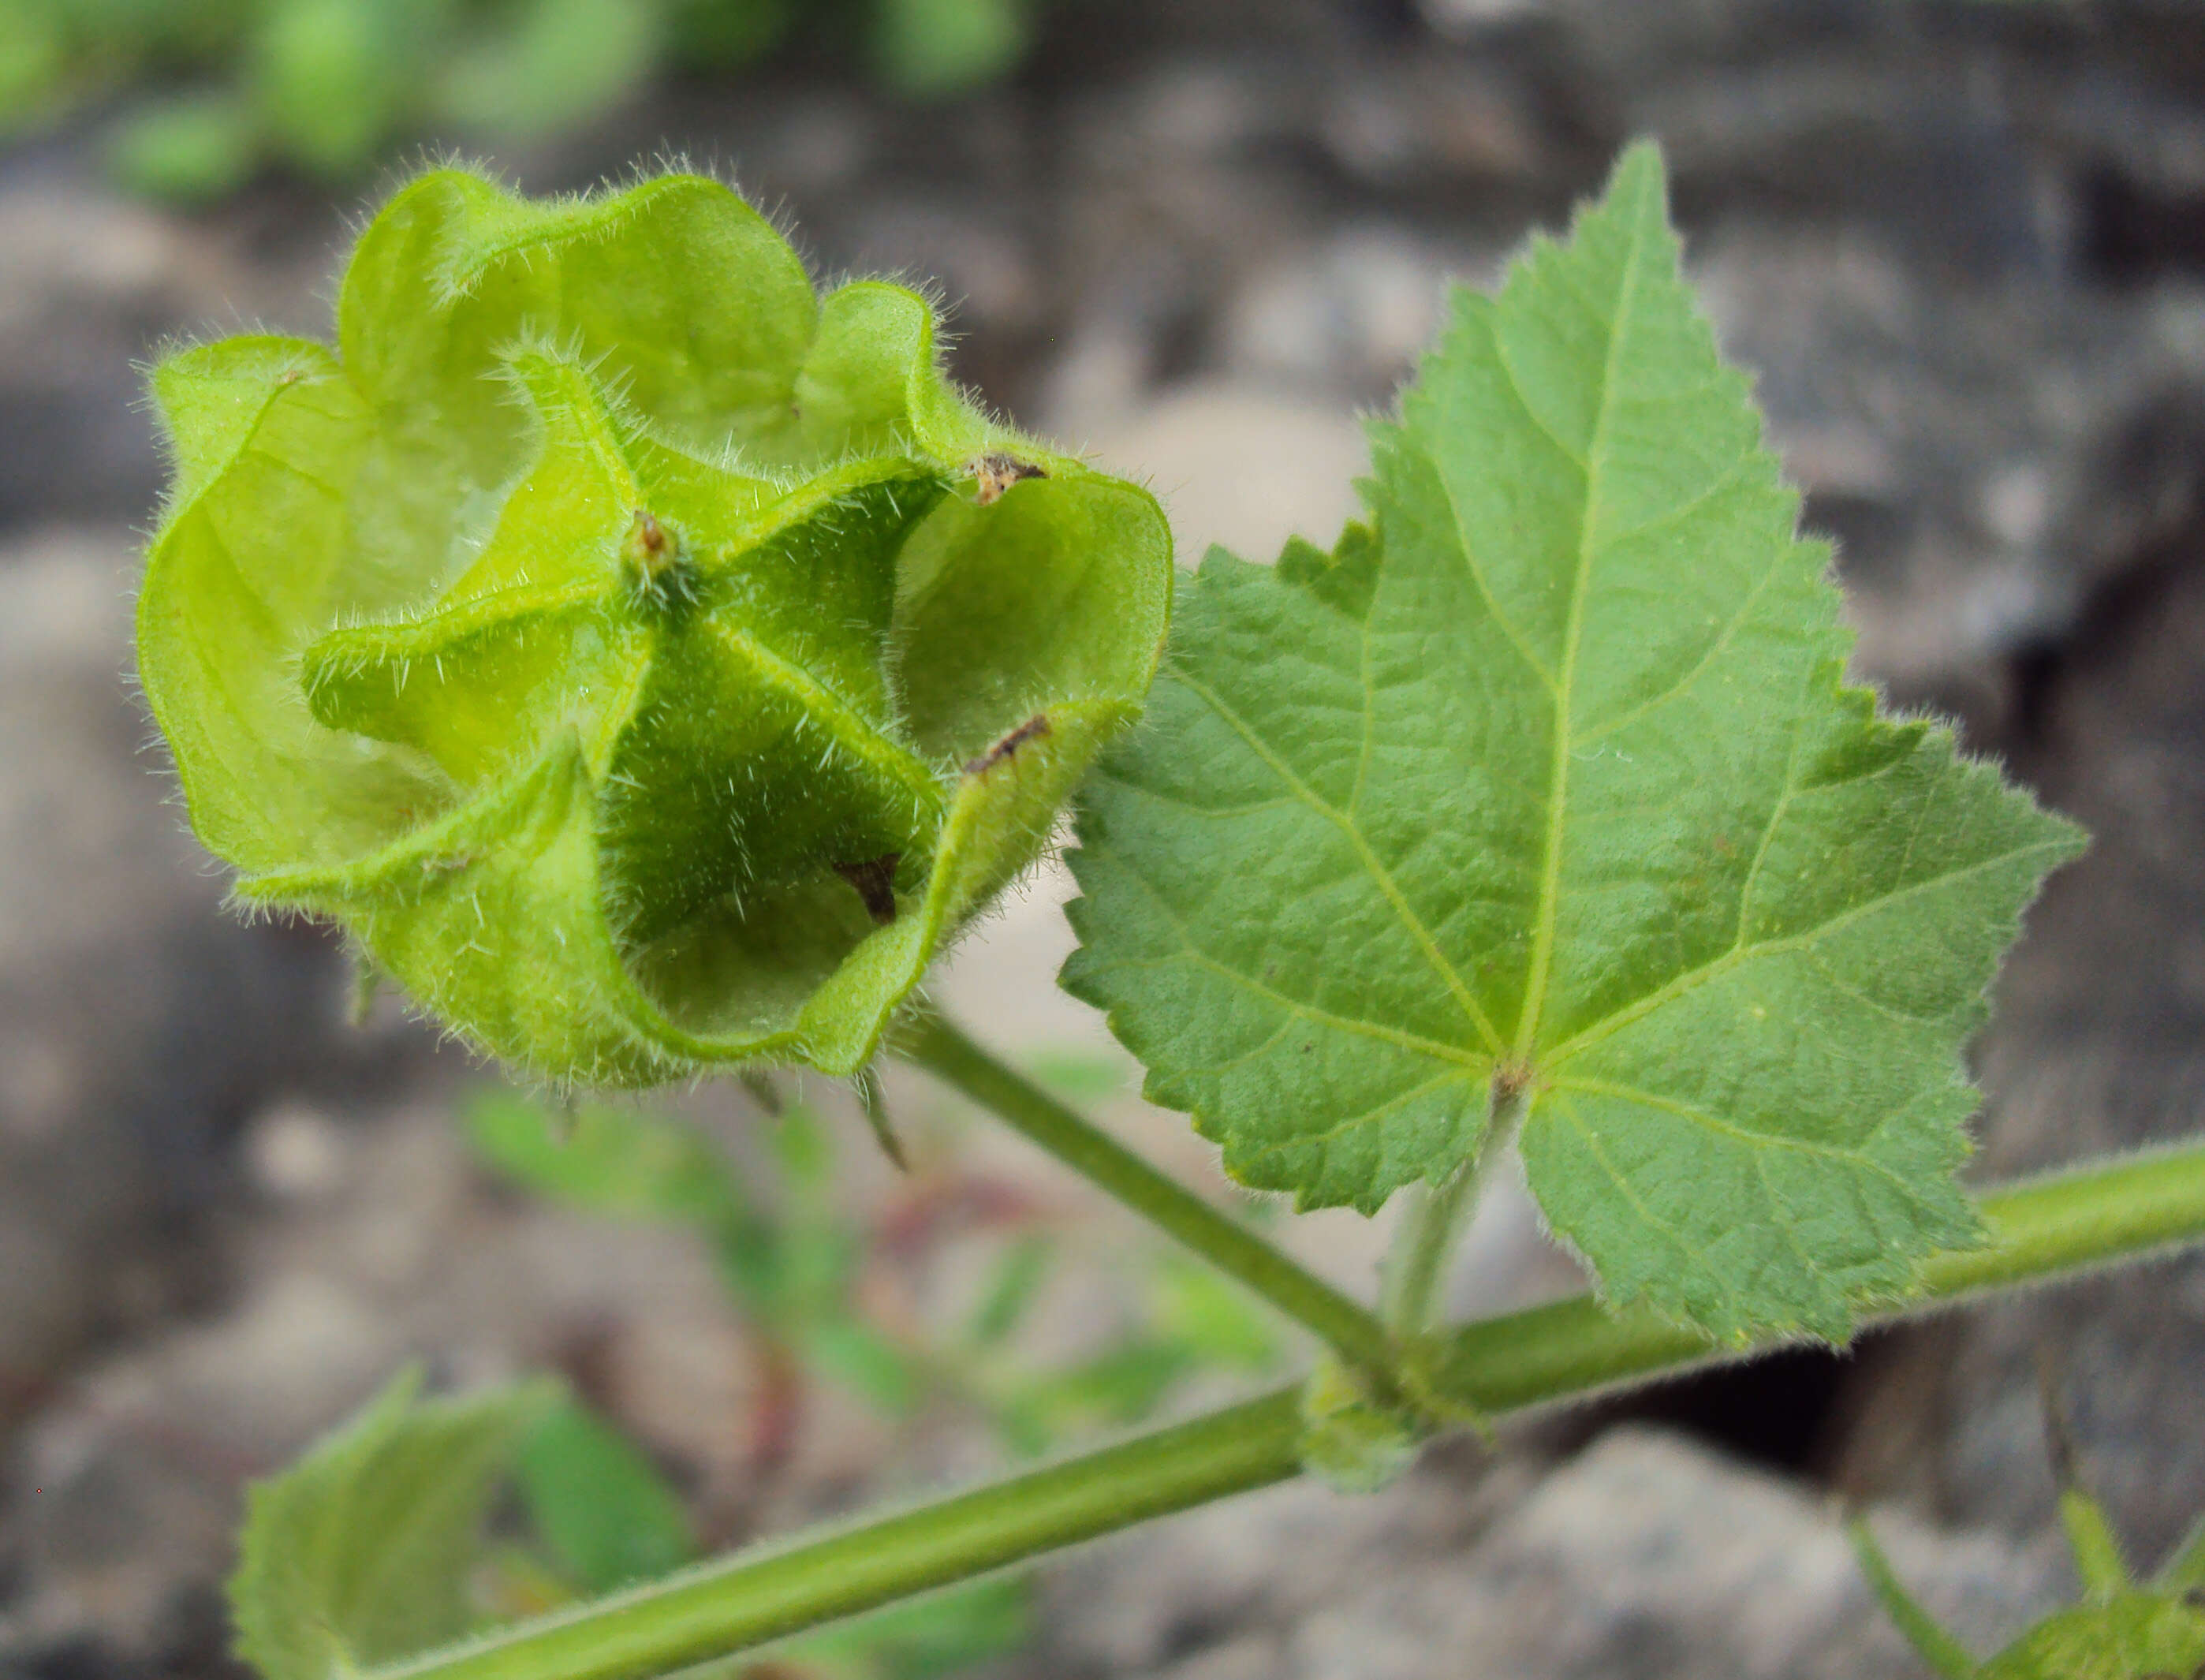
(1035, 725)
(874, 881)
(996, 473)
(651, 547)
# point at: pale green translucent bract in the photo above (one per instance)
(649, 660)
(1547, 781)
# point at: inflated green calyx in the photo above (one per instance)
(649, 661)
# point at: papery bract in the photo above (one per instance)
(648, 660)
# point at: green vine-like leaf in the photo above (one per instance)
(1546, 783)
(649, 661)
(360, 1551)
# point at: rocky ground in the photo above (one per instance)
(1964, 246)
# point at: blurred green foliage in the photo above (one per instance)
(213, 91)
(603, 1516)
(371, 1547)
(600, 1505)
(794, 1260)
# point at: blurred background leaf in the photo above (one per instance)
(796, 1260)
(204, 96)
(600, 1505)
(931, 49)
(361, 1550)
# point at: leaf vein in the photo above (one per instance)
(1306, 1140)
(1730, 1128)
(1373, 865)
(1582, 459)
(1707, 661)
(1777, 812)
(1550, 873)
(1628, 1190)
(1738, 954)
(1311, 1013)
(1501, 621)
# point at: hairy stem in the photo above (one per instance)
(722, 1608)
(1433, 1224)
(2057, 1226)
(1424, 1241)
(1351, 1331)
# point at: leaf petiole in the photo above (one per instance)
(1416, 1265)
(944, 1050)
(1434, 1220)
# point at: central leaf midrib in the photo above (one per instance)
(1558, 779)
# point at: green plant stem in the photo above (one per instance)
(725, 1607)
(1945, 1655)
(1416, 1264)
(2058, 1226)
(1351, 1331)
(1432, 1225)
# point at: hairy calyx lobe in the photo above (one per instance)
(639, 692)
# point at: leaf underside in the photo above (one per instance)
(1546, 780)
